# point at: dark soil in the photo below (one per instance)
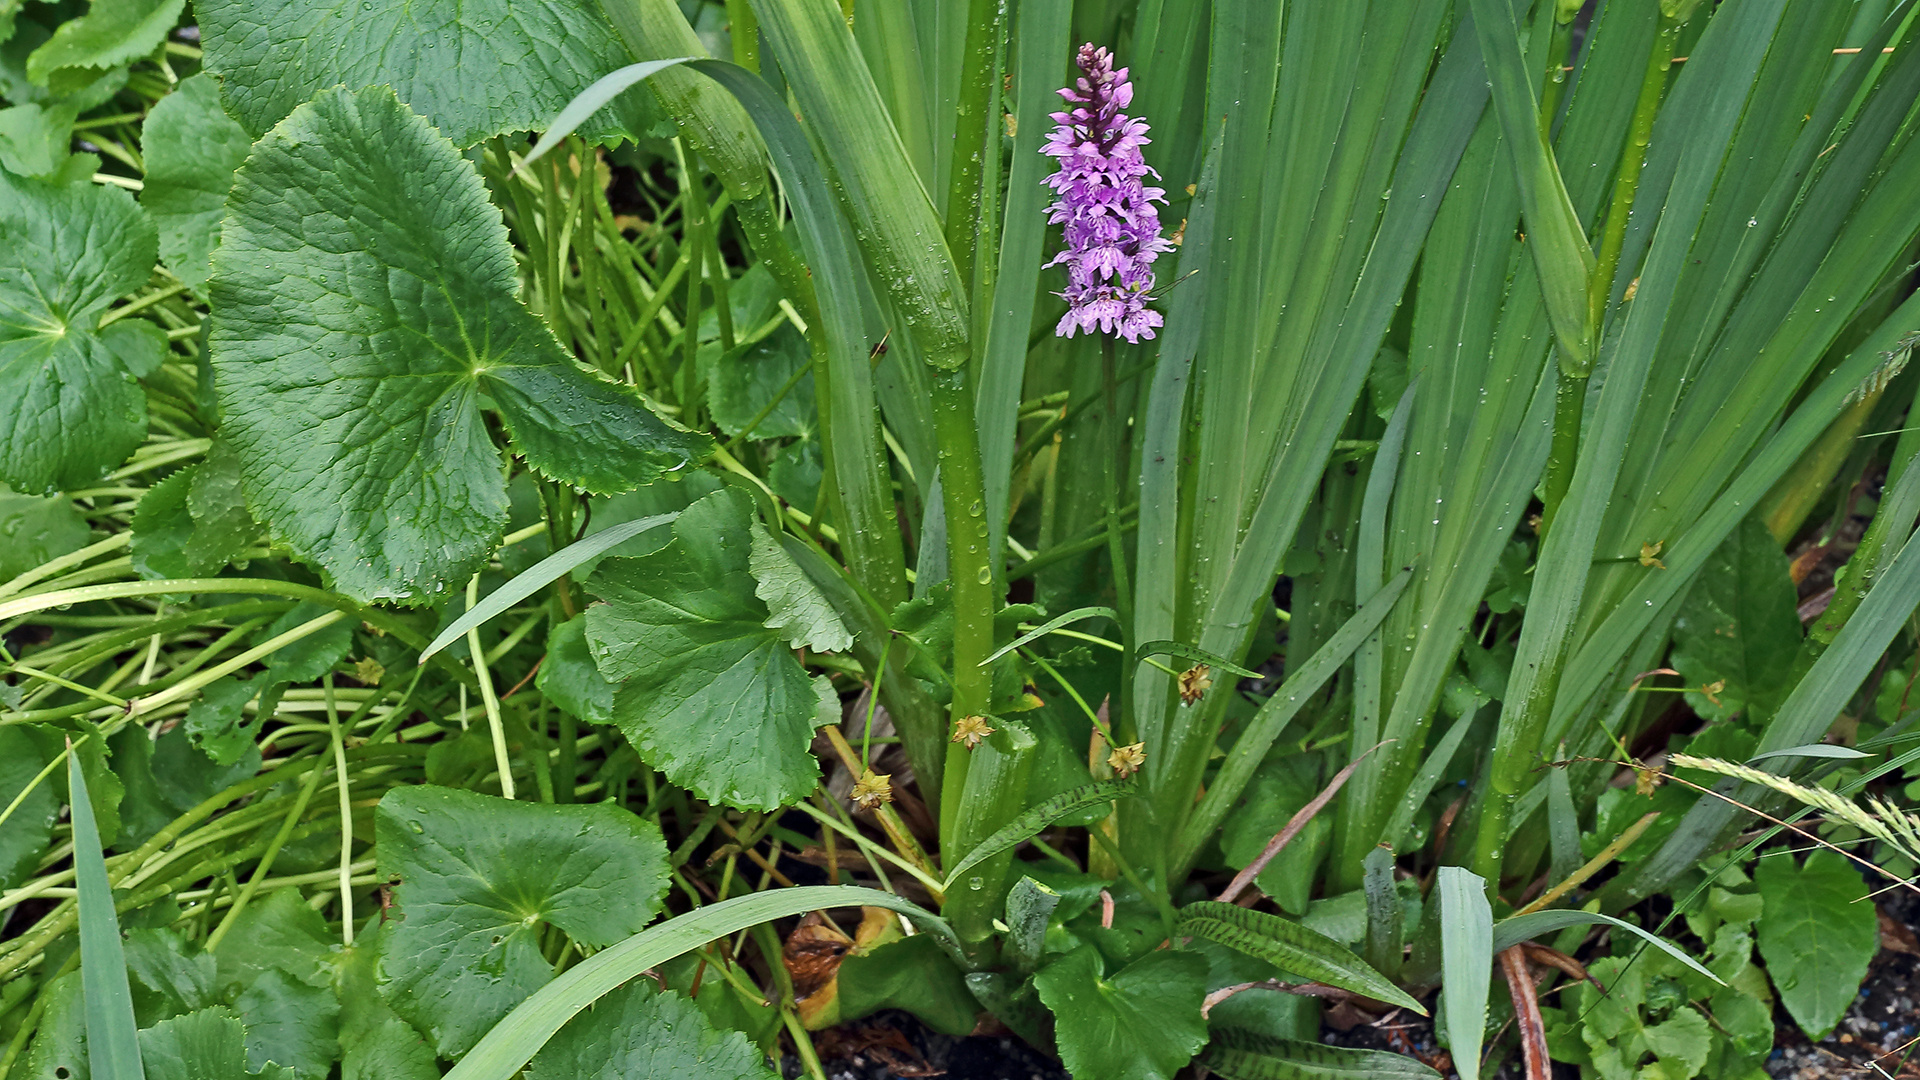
(895, 1046)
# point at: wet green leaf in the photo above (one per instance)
(914, 974)
(375, 1044)
(1738, 626)
(709, 694)
(24, 837)
(351, 375)
(1816, 934)
(749, 379)
(569, 678)
(478, 876)
(218, 722)
(111, 32)
(192, 149)
(1289, 946)
(201, 1046)
(473, 69)
(1143, 1023)
(74, 406)
(795, 605)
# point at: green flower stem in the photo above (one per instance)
(1571, 395)
(981, 789)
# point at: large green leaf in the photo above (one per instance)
(74, 407)
(795, 605)
(473, 69)
(912, 974)
(202, 1045)
(639, 1030)
(569, 678)
(1738, 625)
(710, 694)
(111, 32)
(36, 529)
(478, 876)
(194, 522)
(192, 149)
(1816, 934)
(1143, 1023)
(23, 839)
(367, 303)
(375, 1044)
(276, 968)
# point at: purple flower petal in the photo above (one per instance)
(1111, 227)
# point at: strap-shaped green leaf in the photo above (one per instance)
(113, 1044)
(1466, 963)
(893, 219)
(1195, 653)
(1554, 232)
(1289, 946)
(1039, 816)
(1237, 1054)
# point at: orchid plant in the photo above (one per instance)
(799, 465)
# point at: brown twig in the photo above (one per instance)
(1554, 958)
(1285, 836)
(1526, 1011)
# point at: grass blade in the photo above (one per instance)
(113, 1039)
(592, 100)
(892, 216)
(1510, 932)
(1049, 627)
(546, 571)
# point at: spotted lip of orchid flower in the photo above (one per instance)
(1111, 226)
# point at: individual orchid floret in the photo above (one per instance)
(1105, 205)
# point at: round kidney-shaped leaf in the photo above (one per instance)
(475, 67)
(709, 694)
(478, 875)
(367, 314)
(73, 405)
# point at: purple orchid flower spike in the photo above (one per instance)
(1102, 199)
